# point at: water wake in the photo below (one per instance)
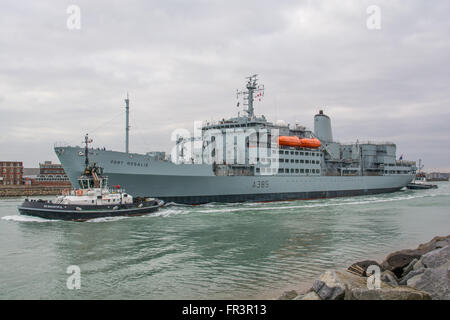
(107, 219)
(287, 205)
(22, 218)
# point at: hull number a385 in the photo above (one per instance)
(260, 184)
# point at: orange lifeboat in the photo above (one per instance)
(310, 143)
(294, 141)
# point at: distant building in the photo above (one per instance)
(11, 172)
(30, 175)
(438, 176)
(48, 174)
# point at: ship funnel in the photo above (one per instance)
(322, 127)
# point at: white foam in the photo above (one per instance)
(23, 218)
(107, 219)
(345, 202)
(168, 212)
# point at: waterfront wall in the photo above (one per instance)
(27, 190)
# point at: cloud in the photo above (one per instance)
(183, 61)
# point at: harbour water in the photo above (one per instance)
(213, 251)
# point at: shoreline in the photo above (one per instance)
(30, 191)
(307, 282)
(406, 274)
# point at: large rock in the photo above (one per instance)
(288, 295)
(394, 293)
(403, 281)
(436, 258)
(435, 281)
(434, 275)
(418, 265)
(309, 296)
(329, 286)
(389, 277)
(398, 260)
(435, 243)
(333, 282)
(409, 267)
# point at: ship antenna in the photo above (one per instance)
(252, 87)
(127, 123)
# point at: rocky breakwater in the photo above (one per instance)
(412, 274)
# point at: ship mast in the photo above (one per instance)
(252, 88)
(127, 123)
(86, 150)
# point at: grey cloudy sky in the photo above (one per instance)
(182, 61)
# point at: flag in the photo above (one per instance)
(401, 157)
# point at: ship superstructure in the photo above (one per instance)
(248, 158)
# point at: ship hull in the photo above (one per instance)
(197, 184)
(268, 197)
(46, 210)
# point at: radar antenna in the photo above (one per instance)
(252, 88)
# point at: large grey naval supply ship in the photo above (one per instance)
(248, 158)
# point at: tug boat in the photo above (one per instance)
(93, 199)
(420, 182)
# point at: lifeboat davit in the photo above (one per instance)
(294, 141)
